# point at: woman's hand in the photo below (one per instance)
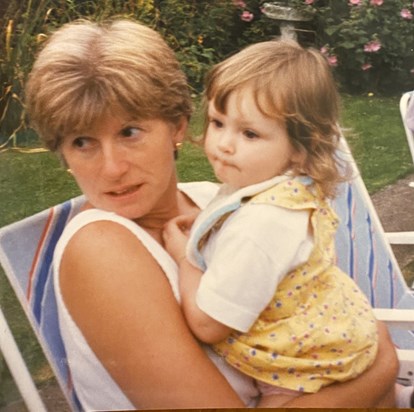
(175, 236)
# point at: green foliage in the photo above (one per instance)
(16, 57)
(205, 32)
(369, 42)
(200, 32)
(25, 25)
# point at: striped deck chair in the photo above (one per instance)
(26, 253)
(26, 250)
(364, 252)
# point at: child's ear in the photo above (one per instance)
(298, 158)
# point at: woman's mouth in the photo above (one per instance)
(124, 191)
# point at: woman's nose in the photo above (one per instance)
(115, 162)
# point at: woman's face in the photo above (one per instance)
(126, 166)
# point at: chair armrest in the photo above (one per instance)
(402, 318)
(400, 238)
(406, 372)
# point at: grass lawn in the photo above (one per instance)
(32, 182)
(377, 139)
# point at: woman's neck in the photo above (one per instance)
(178, 204)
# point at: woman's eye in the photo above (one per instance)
(130, 132)
(81, 142)
(250, 134)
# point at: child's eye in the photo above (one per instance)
(130, 132)
(216, 123)
(250, 134)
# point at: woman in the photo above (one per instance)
(111, 100)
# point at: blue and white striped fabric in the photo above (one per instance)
(26, 253)
(365, 254)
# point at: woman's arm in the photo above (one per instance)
(374, 388)
(121, 300)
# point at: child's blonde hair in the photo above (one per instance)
(293, 85)
(88, 70)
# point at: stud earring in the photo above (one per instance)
(176, 149)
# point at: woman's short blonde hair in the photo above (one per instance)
(87, 70)
(294, 85)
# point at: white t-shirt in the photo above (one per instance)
(248, 256)
(94, 386)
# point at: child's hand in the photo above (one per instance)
(175, 235)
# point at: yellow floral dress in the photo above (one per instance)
(319, 327)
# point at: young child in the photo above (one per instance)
(257, 272)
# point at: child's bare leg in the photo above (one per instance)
(274, 396)
(388, 401)
(274, 401)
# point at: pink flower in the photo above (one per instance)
(366, 66)
(309, 1)
(376, 2)
(372, 46)
(247, 16)
(239, 3)
(324, 50)
(332, 60)
(406, 14)
(354, 2)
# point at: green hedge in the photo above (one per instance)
(368, 42)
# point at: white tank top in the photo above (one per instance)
(94, 386)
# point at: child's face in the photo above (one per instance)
(244, 146)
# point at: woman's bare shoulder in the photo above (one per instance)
(105, 262)
(105, 243)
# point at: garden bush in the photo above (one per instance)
(369, 43)
(200, 32)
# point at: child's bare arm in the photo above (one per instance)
(175, 236)
(203, 326)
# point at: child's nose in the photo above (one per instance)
(226, 142)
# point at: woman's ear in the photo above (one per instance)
(179, 135)
(62, 159)
(180, 131)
